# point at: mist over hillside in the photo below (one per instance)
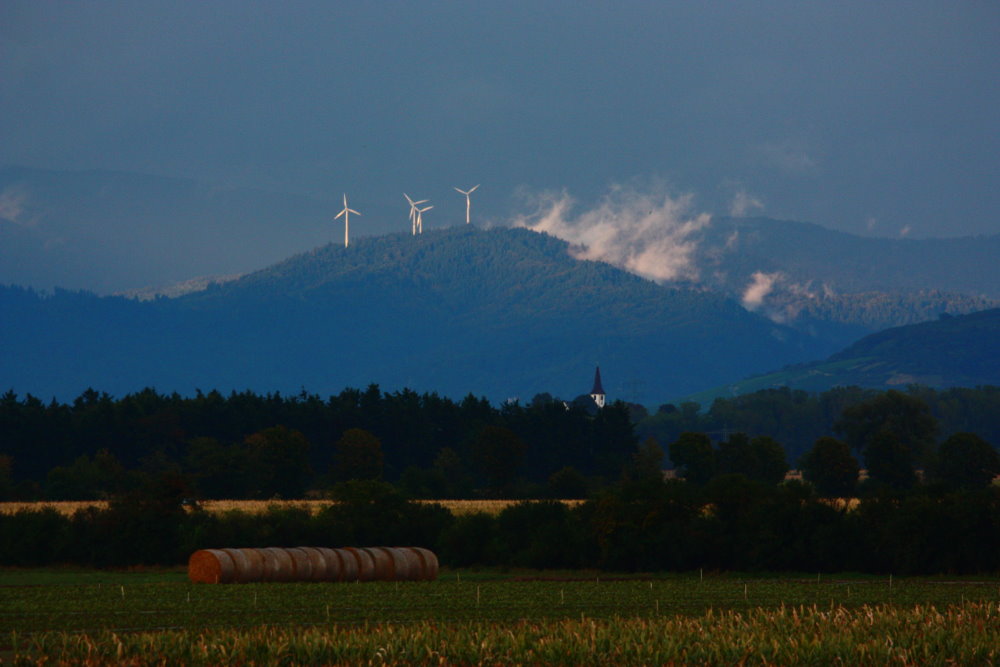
(825, 282)
(503, 313)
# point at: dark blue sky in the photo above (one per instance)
(876, 118)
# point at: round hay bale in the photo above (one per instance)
(366, 563)
(210, 566)
(316, 562)
(301, 565)
(350, 565)
(255, 565)
(271, 566)
(429, 560)
(402, 568)
(241, 565)
(384, 570)
(414, 564)
(285, 566)
(334, 564)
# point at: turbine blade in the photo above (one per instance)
(408, 198)
(473, 189)
(340, 214)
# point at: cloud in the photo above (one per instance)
(649, 234)
(788, 156)
(905, 231)
(743, 203)
(760, 286)
(13, 205)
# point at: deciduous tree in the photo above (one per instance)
(358, 455)
(693, 456)
(967, 461)
(831, 467)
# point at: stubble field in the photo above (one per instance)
(456, 507)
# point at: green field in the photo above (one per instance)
(497, 617)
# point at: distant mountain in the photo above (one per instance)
(800, 274)
(109, 231)
(953, 351)
(502, 313)
(817, 258)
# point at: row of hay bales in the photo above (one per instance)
(224, 566)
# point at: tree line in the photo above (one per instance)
(652, 524)
(928, 504)
(248, 445)
(797, 418)
(254, 446)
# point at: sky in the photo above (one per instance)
(871, 118)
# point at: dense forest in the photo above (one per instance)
(247, 445)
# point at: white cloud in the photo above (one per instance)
(787, 155)
(13, 205)
(905, 231)
(760, 286)
(743, 203)
(649, 234)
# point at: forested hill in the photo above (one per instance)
(952, 351)
(502, 313)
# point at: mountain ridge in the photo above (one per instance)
(500, 312)
(952, 351)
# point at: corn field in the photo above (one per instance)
(923, 635)
(488, 617)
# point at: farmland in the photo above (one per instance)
(469, 617)
(456, 507)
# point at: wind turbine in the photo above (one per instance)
(468, 202)
(414, 212)
(347, 218)
(420, 218)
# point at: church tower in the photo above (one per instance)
(597, 393)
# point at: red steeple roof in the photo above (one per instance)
(598, 389)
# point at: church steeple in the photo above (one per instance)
(597, 393)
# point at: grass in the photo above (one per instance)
(489, 617)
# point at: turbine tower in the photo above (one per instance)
(347, 219)
(468, 202)
(414, 212)
(420, 218)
